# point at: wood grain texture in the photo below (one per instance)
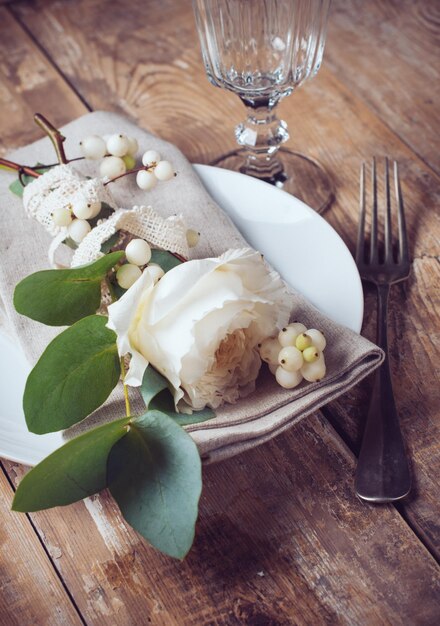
(27, 81)
(387, 52)
(30, 591)
(281, 538)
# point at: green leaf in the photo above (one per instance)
(70, 243)
(165, 259)
(74, 376)
(164, 402)
(61, 297)
(152, 384)
(17, 188)
(76, 470)
(104, 213)
(111, 241)
(157, 395)
(154, 474)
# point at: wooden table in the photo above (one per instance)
(281, 538)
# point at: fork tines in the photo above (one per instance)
(376, 253)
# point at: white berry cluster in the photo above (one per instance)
(119, 156)
(119, 152)
(296, 354)
(138, 255)
(75, 217)
(158, 169)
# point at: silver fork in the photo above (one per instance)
(382, 473)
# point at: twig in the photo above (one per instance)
(54, 135)
(67, 161)
(134, 171)
(10, 165)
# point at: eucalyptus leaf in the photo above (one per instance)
(61, 297)
(17, 188)
(107, 245)
(157, 395)
(154, 474)
(164, 402)
(104, 213)
(73, 377)
(165, 259)
(76, 470)
(70, 243)
(117, 290)
(152, 384)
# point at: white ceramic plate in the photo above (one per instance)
(295, 240)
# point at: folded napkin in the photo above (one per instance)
(253, 420)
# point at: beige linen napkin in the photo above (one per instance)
(268, 411)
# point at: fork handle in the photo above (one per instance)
(382, 473)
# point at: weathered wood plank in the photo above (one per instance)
(281, 540)
(388, 53)
(27, 83)
(30, 591)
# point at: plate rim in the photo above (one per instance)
(200, 168)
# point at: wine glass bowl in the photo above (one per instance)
(263, 50)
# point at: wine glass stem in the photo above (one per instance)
(261, 135)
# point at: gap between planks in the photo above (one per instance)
(48, 58)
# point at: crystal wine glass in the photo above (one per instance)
(262, 50)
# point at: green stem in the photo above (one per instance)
(127, 399)
(121, 360)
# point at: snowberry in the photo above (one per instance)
(149, 157)
(133, 146)
(78, 229)
(303, 341)
(155, 271)
(317, 337)
(164, 170)
(310, 354)
(129, 161)
(314, 371)
(118, 145)
(138, 252)
(85, 210)
(269, 350)
(287, 379)
(290, 358)
(62, 216)
(127, 275)
(112, 166)
(192, 237)
(93, 147)
(146, 180)
(287, 336)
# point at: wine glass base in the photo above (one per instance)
(303, 177)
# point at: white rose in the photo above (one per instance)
(200, 325)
